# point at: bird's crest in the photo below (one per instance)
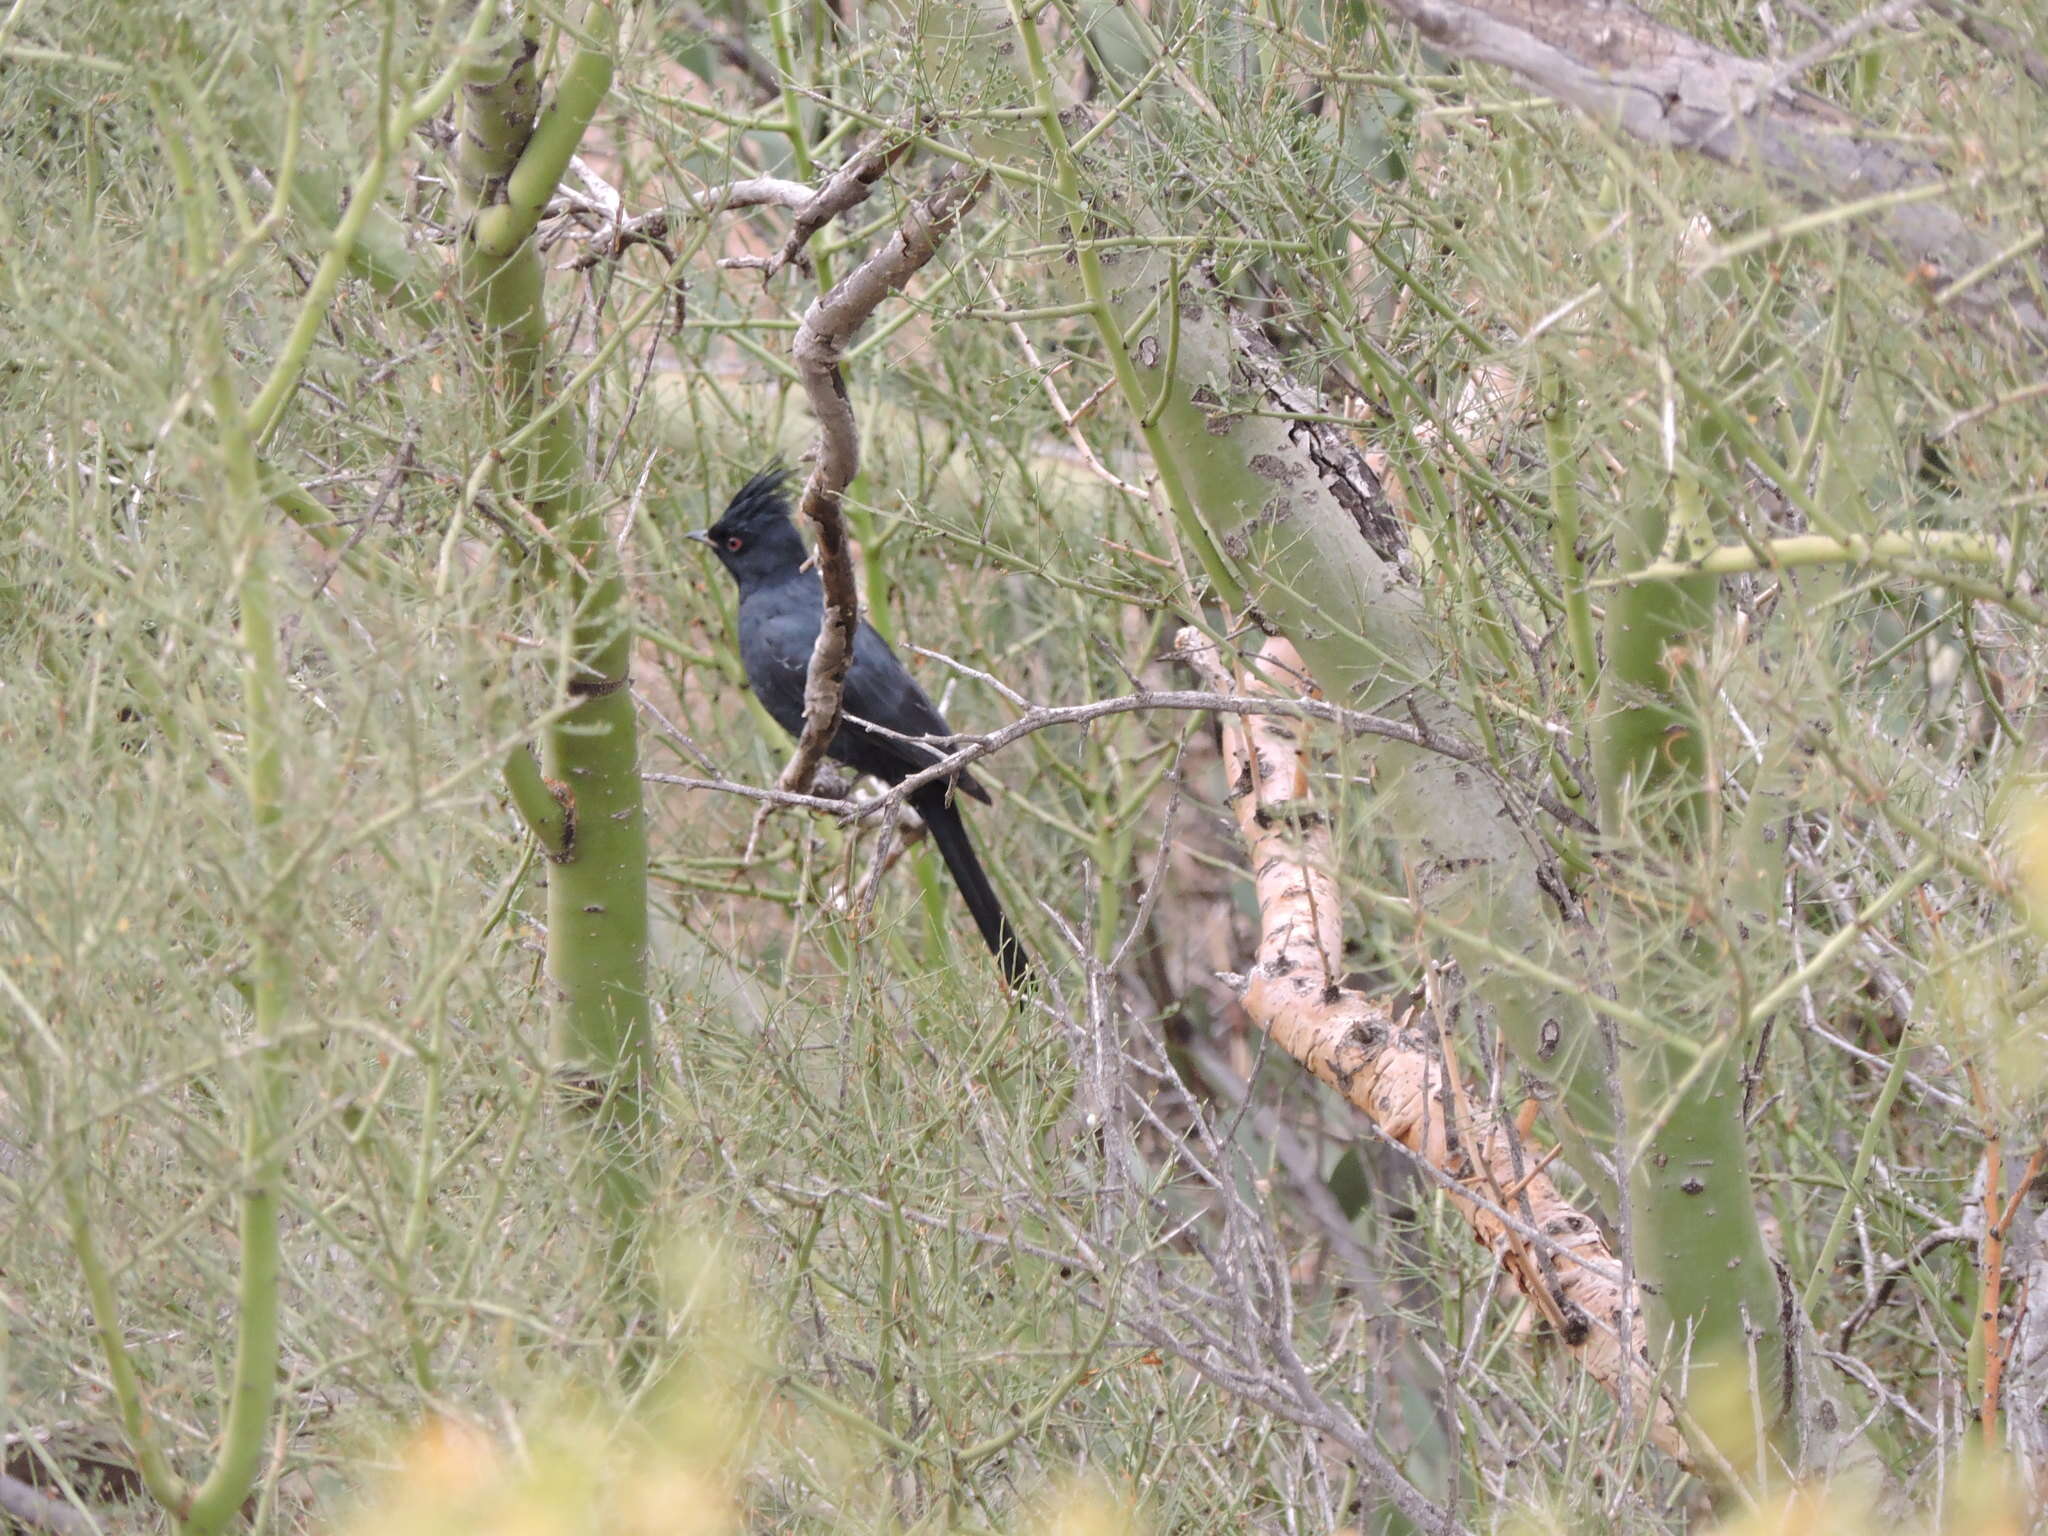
(761, 499)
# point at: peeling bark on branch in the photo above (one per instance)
(847, 187)
(1665, 87)
(1395, 1072)
(828, 325)
(1342, 468)
(1291, 523)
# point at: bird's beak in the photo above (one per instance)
(701, 535)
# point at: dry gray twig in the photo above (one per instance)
(848, 187)
(969, 747)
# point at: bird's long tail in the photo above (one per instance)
(949, 832)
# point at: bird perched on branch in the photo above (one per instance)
(782, 606)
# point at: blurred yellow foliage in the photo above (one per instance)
(2029, 823)
(454, 1480)
(571, 1479)
(1982, 1500)
(1087, 1509)
(708, 1451)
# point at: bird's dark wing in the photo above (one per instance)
(879, 689)
(779, 628)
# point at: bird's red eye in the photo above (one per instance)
(734, 542)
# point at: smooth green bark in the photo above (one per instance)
(252, 1394)
(1712, 1296)
(267, 984)
(267, 980)
(510, 155)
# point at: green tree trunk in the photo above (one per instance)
(509, 157)
(1713, 1297)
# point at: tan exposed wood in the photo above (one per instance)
(1390, 1067)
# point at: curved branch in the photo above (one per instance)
(611, 232)
(828, 325)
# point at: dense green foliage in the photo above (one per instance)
(929, 1257)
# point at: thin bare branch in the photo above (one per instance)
(610, 232)
(970, 747)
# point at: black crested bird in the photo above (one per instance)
(782, 606)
